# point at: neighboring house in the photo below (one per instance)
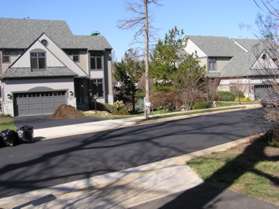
(43, 65)
(238, 63)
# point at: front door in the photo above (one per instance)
(82, 93)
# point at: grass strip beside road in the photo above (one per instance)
(192, 112)
(7, 123)
(262, 181)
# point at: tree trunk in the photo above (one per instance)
(146, 59)
(134, 101)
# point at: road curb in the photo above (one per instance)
(180, 160)
(131, 175)
(106, 125)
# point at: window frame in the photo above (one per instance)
(212, 62)
(95, 83)
(96, 57)
(38, 57)
(78, 58)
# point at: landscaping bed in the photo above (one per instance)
(252, 169)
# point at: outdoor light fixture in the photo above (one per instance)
(10, 96)
(71, 93)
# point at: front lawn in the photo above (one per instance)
(250, 169)
(6, 123)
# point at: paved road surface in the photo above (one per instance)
(33, 166)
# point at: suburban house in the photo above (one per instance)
(237, 63)
(43, 65)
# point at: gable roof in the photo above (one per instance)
(241, 63)
(243, 53)
(20, 33)
(58, 63)
(214, 46)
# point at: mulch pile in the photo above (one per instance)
(66, 112)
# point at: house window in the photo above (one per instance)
(5, 58)
(96, 62)
(97, 86)
(38, 60)
(75, 57)
(211, 64)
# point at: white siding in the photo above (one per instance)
(24, 60)
(192, 48)
(63, 57)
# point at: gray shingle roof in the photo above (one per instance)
(91, 42)
(20, 33)
(239, 65)
(242, 61)
(214, 46)
(244, 53)
(48, 72)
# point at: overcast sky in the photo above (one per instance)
(196, 17)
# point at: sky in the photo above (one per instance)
(195, 17)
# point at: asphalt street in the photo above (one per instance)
(47, 163)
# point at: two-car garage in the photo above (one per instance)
(37, 103)
(30, 97)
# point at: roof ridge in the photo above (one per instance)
(226, 37)
(31, 19)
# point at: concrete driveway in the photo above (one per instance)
(47, 163)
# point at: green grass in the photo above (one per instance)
(7, 123)
(158, 112)
(191, 112)
(250, 183)
(225, 104)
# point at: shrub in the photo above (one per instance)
(225, 96)
(165, 100)
(118, 108)
(201, 105)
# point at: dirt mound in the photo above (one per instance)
(66, 112)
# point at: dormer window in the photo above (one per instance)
(38, 60)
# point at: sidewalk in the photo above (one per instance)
(125, 189)
(93, 127)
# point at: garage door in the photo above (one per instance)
(38, 103)
(262, 91)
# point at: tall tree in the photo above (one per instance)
(128, 73)
(166, 55)
(141, 20)
(189, 81)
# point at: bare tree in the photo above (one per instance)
(267, 56)
(141, 20)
